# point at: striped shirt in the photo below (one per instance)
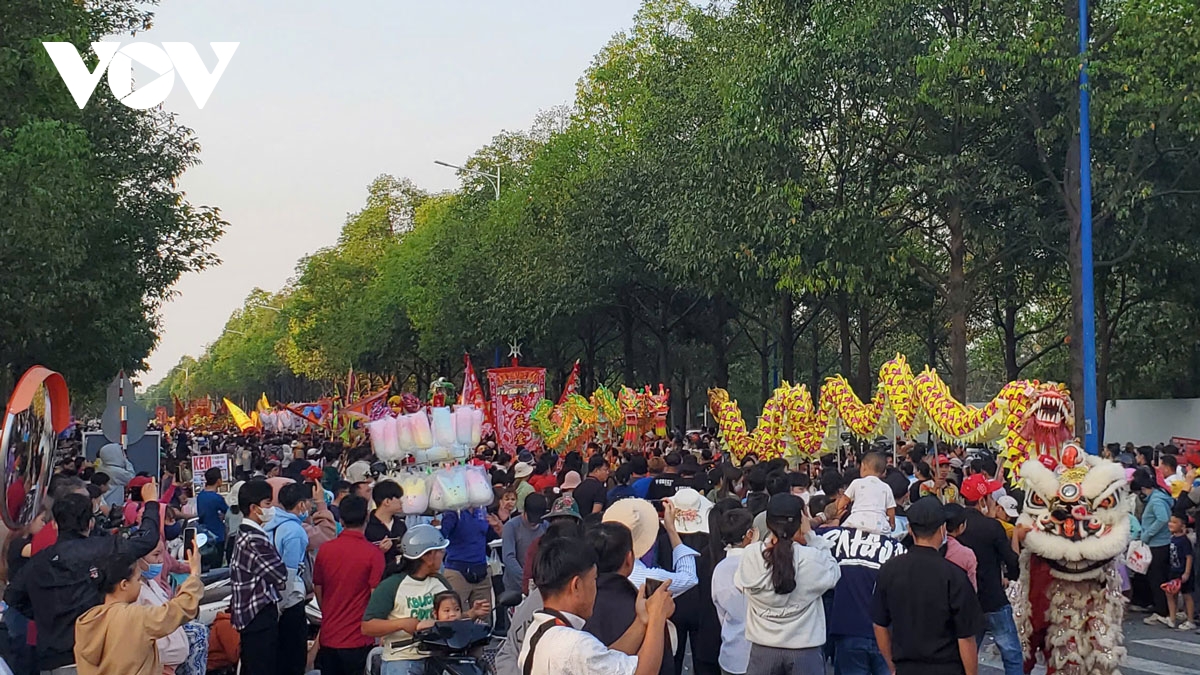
(683, 579)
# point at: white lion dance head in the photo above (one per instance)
(1078, 512)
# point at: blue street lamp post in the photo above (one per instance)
(1090, 436)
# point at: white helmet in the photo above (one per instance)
(421, 539)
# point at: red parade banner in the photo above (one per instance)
(515, 391)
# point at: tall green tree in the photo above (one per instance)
(96, 231)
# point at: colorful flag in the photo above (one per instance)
(572, 386)
(240, 418)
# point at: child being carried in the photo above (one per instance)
(872, 503)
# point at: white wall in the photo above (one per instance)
(1151, 421)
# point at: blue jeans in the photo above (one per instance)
(1004, 631)
(415, 667)
(21, 654)
(858, 656)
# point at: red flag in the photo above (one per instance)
(572, 386)
(472, 394)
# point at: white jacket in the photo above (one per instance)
(172, 649)
(795, 620)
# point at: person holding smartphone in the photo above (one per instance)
(119, 635)
(57, 585)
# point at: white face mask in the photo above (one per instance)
(268, 514)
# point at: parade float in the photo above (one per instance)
(1026, 415)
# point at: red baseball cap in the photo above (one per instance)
(978, 486)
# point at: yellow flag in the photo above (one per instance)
(239, 416)
(263, 404)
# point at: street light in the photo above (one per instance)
(259, 305)
(494, 179)
(1091, 438)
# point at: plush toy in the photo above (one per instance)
(441, 393)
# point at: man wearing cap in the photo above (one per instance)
(986, 538)
(926, 615)
(402, 604)
(691, 475)
(1006, 512)
(518, 535)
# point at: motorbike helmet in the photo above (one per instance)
(421, 539)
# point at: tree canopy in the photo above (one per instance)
(773, 190)
(95, 231)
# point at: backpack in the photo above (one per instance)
(299, 585)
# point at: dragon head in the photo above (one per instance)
(1078, 512)
(1049, 420)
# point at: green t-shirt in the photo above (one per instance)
(403, 597)
(524, 489)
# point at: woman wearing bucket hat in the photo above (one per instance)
(521, 474)
(402, 604)
(695, 614)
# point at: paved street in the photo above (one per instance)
(1157, 650)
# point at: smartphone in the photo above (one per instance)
(189, 536)
(651, 586)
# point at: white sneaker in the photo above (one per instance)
(1158, 619)
(1187, 625)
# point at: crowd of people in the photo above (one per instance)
(874, 560)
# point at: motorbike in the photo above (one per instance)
(217, 590)
(449, 644)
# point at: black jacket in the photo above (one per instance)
(60, 583)
(614, 612)
(985, 536)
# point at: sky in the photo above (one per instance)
(323, 96)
